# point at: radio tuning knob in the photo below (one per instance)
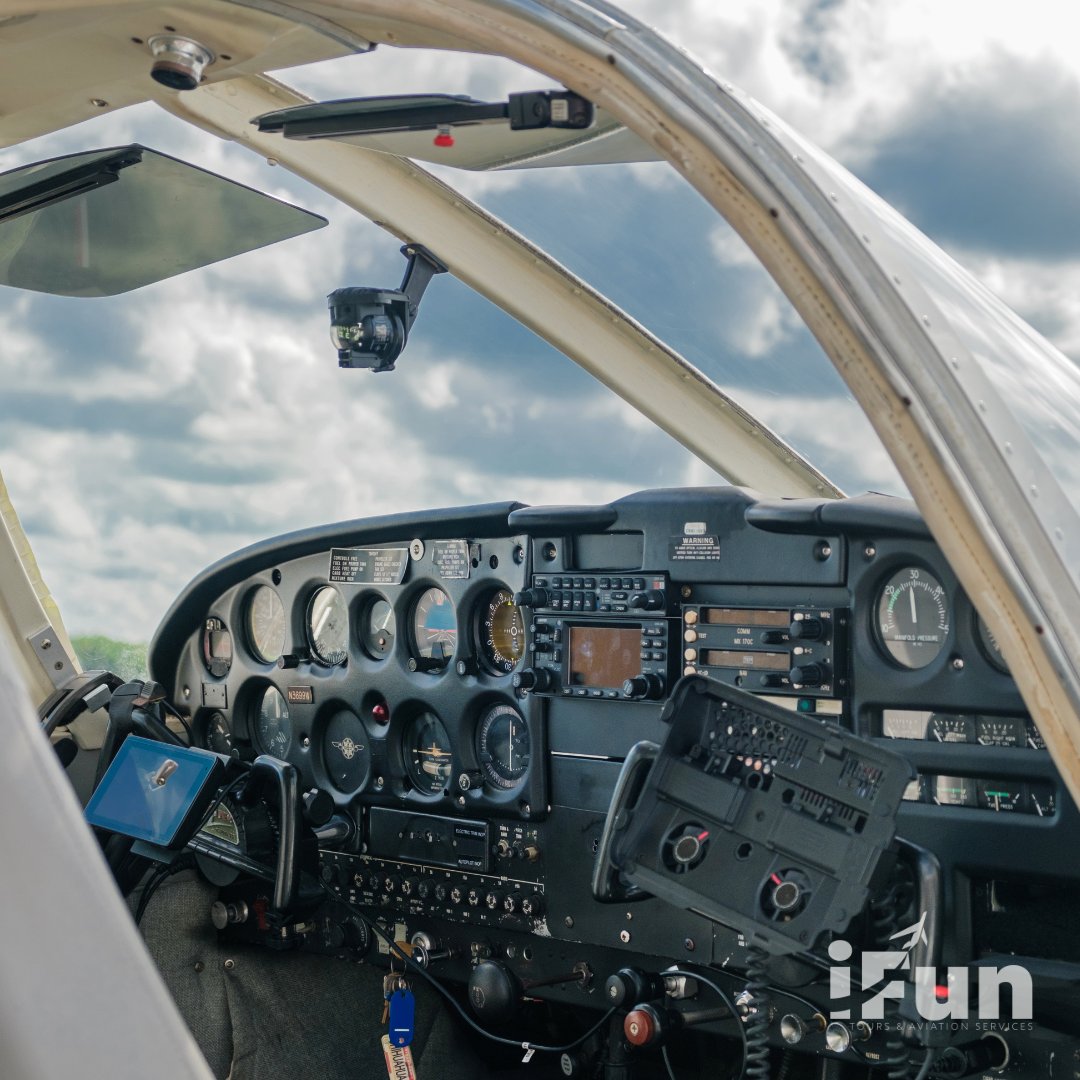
(807, 675)
(808, 629)
(531, 598)
(538, 679)
(643, 687)
(652, 600)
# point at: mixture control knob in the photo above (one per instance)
(644, 1025)
(808, 674)
(531, 598)
(806, 629)
(643, 687)
(653, 600)
(538, 679)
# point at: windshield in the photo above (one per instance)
(222, 430)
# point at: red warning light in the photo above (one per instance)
(444, 138)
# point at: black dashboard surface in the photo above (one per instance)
(468, 692)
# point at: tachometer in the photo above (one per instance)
(913, 617)
(952, 728)
(428, 754)
(434, 627)
(328, 627)
(502, 632)
(273, 725)
(503, 746)
(378, 625)
(265, 624)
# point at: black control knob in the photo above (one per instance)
(493, 900)
(291, 660)
(424, 888)
(470, 780)
(456, 894)
(766, 680)
(653, 600)
(531, 598)
(510, 903)
(473, 897)
(442, 893)
(807, 629)
(532, 905)
(538, 679)
(318, 807)
(495, 992)
(409, 886)
(643, 687)
(808, 675)
(630, 985)
(425, 663)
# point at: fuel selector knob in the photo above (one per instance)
(644, 687)
(808, 674)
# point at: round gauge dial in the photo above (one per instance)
(265, 624)
(273, 726)
(328, 627)
(955, 791)
(502, 632)
(347, 752)
(428, 755)
(218, 735)
(378, 626)
(434, 627)
(913, 617)
(991, 649)
(216, 647)
(502, 746)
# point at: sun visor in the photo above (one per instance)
(109, 221)
(464, 133)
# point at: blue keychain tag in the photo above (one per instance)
(402, 1011)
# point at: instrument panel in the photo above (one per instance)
(485, 672)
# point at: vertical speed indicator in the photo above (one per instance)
(913, 617)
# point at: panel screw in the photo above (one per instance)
(688, 944)
(199, 967)
(229, 965)
(624, 936)
(686, 592)
(46, 643)
(568, 921)
(869, 551)
(958, 663)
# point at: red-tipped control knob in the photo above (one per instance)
(642, 1026)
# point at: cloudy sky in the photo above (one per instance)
(145, 436)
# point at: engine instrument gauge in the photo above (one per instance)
(328, 627)
(273, 725)
(428, 755)
(434, 627)
(951, 729)
(913, 617)
(216, 647)
(224, 825)
(954, 791)
(1000, 731)
(991, 649)
(501, 632)
(378, 625)
(218, 736)
(503, 746)
(265, 624)
(347, 752)
(1000, 795)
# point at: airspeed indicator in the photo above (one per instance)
(913, 618)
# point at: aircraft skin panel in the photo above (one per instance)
(27, 607)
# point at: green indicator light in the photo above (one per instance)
(806, 704)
